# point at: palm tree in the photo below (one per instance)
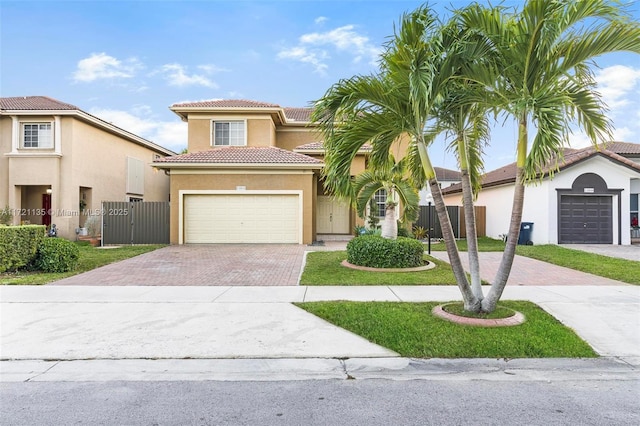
(467, 126)
(541, 76)
(397, 102)
(390, 178)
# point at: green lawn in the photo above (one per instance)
(413, 331)
(90, 258)
(324, 268)
(623, 270)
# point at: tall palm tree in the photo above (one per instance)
(392, 179)
(397, 102)
(541, 76)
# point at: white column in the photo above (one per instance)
(57, 135)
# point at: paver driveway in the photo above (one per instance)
(207, 265)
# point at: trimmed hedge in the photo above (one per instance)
(19, 245)
(377, 252)
(57, 255)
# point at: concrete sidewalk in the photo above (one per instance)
(120, 323)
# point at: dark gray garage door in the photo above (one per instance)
(585, 220)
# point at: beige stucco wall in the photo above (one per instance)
(88, 157)
(292, 137)
(251, 180)
(261, 130)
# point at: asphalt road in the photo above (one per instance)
(604, 401)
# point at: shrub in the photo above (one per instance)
(377, 252)
(402, 231)
(57, 255)
(6, 216)
(19, 245)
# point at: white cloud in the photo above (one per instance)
(618, 85)
(169, 134)
(302, 54)
(102, 66)
(313, 48)
(211, 68)
(176, 75)
(321, 20)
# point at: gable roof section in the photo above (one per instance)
(239, 156)
(34, 105)
(318, 148)
(287, 116)
(623, 148)
(445, 175)
(39, 103)
(507, 174)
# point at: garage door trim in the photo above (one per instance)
(592, 184)
(184, 192)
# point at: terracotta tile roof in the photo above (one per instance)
(507, 174)
(34, 103)
(623, 148)
(319, 146)
(298, 114)
(243, 155)
(226, 103)
(444, 175)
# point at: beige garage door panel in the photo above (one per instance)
(241, 219)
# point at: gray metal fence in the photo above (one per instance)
(141, 222)
(428, 219)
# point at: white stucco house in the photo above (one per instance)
(591, 199)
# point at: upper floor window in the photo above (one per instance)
(229, 133)
(37, 135)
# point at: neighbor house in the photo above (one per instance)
(592, 197)
(445, 177)
(252, 174)
(58, 163)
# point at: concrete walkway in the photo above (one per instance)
(80, 323)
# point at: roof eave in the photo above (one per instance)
(179, 165)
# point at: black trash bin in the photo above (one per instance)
(526, 228)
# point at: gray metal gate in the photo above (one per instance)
(428, 216)
(141, 222)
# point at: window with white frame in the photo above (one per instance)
(37, 135)
(229, 133)
(380, 199)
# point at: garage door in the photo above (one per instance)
(585, 220)
(241, 218)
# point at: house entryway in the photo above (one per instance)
(332, 216)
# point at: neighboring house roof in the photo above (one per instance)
(240, 155)
(623, 148)
(444, 175)
(294, 116)
(507, 174)
(318, 148)
(34, 105)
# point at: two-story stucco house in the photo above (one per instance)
(591, 199)
(251, 175)
(58, 163)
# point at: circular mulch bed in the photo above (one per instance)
(427, 265)
(516, 319)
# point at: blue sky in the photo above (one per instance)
(128, 61)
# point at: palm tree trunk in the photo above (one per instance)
(500, 280)
(471, 302)
(470, 222)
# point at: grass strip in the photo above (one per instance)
(413, 331)
(324, 268)
(90, 258)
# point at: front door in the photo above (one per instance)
(333, 216)
(46, 209)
